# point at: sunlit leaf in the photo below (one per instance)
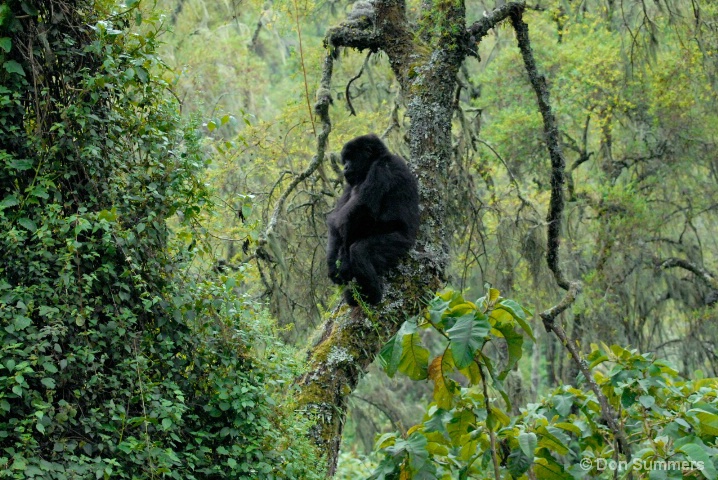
(707, 421)
(443, 387)
(414, 357)
(518, 313)
(462, 422)
(548, 439)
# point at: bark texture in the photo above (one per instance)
(425, 59)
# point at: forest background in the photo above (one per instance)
(167, 169)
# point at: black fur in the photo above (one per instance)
(376, 219)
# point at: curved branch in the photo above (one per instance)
(704, 275)
(321, 108)
(558, 163)
(347, 93)
(348, 35)
(480, 28)
(556, 206)
(549, 320)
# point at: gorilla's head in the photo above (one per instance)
(358, 155)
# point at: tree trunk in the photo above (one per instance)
(425, 62)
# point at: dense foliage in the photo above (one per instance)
(672, 422)
(114, 362)
(134, 272)
(633, 85)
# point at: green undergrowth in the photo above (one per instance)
(115, 361)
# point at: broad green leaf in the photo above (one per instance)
(48, 382)
(563, 403)
(142, 74)
(437, 449)
(5, 44)
(528, 442)
(468, 446)
(385, 440)
(546, 468)
(460, 309)
(472, 372)
(697, 453)
(436, 309)
(20, 164)
(550, 441)
(27, 223)
(462, 422)
(598, 360)
(499, 416)
(9, 201)
(569, 427)
(493, 295)
(707, 421)
(21, 323)
(390, 355)
(647, 401)
(519, 463)
(467, 335)
(40, 192)
(11, 66)
(515, 342)
(438, 419)
(414, 357)
(518, 313)
(246, 210)
(108, 215)
(415, 447)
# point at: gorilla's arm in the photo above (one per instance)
(336, 251)
(375, 187)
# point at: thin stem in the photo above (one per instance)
(304, 69)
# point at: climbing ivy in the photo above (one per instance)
(114, 361)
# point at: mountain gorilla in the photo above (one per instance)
(376, 219)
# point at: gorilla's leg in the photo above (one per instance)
(370, 258)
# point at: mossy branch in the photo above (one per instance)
(555, 214)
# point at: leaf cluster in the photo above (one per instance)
(113, 362)
(451, 438)
(671, 423)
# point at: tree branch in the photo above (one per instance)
(321, 108)
(558, 163)
(549, 321)
(556, 205)
(704, 275)
(480, 28)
